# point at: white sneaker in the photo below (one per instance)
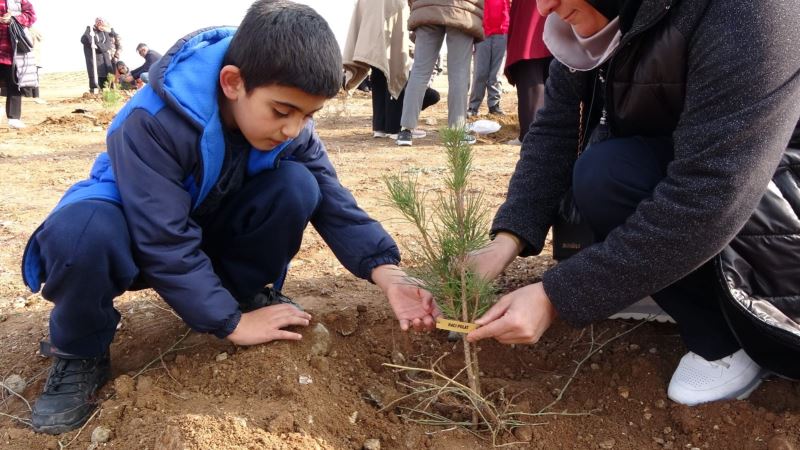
(416, 133)
(697, 380)
(16, 123)
(514, 141)
(379, 134)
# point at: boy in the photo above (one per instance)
(212, 173)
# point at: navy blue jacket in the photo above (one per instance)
(165, 153)
(150, 58)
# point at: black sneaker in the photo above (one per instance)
(69, 393)
(404, 137)
(496, 110)
(267, 297)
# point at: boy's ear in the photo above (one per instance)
(231, 82)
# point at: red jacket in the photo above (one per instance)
(495, 17)
(525, 33)
(26, 19)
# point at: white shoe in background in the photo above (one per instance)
(697, 380)
(16, 124)
(416, 133)
(379, 134)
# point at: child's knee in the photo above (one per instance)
(301, 192)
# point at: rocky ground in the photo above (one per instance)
(176, 389)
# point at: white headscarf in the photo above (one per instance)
(577, 52)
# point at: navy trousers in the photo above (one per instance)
(88, 256)
(610, 179)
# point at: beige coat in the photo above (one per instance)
(466, 15)
(378, 37)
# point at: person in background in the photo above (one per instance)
(527, 62)
(22, 12)
(101, 48)
(460, 22)
(489, 55)
(123, 79)
(387, 61)
(150, 58)
(686, 176)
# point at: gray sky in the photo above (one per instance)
(158, 23)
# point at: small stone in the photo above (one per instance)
(648, 416)
(608, 443)
(633, 348)
(144, 384)
(430, 121)
(667, 430)
(361, 308)
(124, 386)
(321, 339)
(658, 440)
(660, 404)
(623, 392)
(653, 350)
(595, 366)
(523, 434)
(305, 379)
(3, 317)
(372, 444)
(222, 356)
(15, 383)
(353, 418)
(779, 442)
(101, 435)
(398, 358)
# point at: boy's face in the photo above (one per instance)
(268, 115)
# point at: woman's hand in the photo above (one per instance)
(520, 317)
(491, 260)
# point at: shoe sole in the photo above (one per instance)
(747, 390)
(63, 428)
(404, 143)
(644, 309)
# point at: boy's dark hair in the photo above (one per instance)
(140, 46)
(284, 43)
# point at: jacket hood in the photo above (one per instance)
(187, 87)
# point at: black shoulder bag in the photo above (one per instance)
(571, 234)
(20, 40)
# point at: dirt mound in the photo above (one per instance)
(81, 122)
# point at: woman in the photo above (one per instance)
(682, 111)
(22, 12)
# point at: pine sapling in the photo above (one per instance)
(457, 227)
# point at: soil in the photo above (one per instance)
(176, 389)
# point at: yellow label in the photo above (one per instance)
(454, 325)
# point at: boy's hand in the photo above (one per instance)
(265, 324)
(491, 260)
(413, 306)
(520, 317)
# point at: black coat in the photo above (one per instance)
(723, 84)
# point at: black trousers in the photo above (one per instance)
(13, 94)
(610, 179)
(529, 76)
(386, 111)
